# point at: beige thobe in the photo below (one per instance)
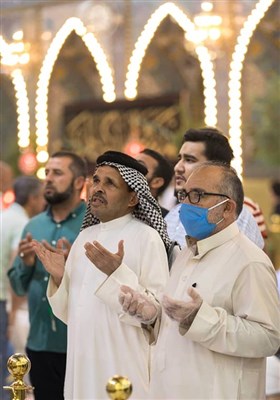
(223, 354)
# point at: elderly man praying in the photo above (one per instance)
(123, 241)
(220, 317)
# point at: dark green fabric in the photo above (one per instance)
(47, 333)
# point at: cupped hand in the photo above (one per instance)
(181, 311)
(102, 258)
(138, 305)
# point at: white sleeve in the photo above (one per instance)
(152, 279)
(248, 225)
(175, 229)
(254, 328)
(58, 298)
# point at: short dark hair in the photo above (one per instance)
(78, 165)
(217, 147)
(163, 170)
(24, 186)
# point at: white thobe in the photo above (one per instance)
(102, 340)
(222, 355)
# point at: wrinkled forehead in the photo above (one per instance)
(205, 178)
(108, 170)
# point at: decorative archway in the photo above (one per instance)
(105, 72)
(202, 52)
(235, 75)
(22, 102)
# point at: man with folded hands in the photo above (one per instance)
(220, 316)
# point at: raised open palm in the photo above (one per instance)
(52, 258)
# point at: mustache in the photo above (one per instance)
(98, 196)
(49, 186)
(180, 176)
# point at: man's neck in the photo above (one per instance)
(61, 211)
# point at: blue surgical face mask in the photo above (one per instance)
(195, 220)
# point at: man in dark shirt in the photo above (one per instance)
(160, 172)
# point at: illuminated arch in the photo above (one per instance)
(142, 44)
(105, 72)
(23, 122)
(4, 47)
(234, 92)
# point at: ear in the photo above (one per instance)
(230, 208)
(79, 182)
(156, 183)
(133, 200)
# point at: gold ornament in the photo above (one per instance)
(119, 388)
(18, 365)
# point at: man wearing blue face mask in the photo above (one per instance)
(194, 218)
(199, 145)
(220, 316)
